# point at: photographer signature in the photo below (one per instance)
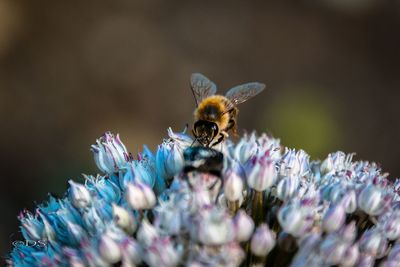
(30, 243)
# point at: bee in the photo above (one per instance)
(216, 115)
(203, 159)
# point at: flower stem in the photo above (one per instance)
(233, 206)
(257, 207)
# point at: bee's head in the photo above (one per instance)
(205, 131)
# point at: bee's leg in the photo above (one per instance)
(225, 134)
(232, 121)
(219, 140)
(195, 137)
(232, 126)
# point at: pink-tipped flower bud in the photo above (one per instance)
(244, 226)
(246, 148)
(333, 218)
(162, 252)
(131, 252)
(261, 175)
(365, 260)
(348, 232)
(109, 249)
(350, 202)
(263, 241)
(350, 256)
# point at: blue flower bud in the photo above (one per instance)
(110, 153)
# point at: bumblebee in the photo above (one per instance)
(215, 115)
(203, 159)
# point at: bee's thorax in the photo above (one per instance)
(213, 109)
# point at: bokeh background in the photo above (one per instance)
(70, 70)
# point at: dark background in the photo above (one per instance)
(70, 70)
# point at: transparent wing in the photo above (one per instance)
(202, 87)
(244, 92)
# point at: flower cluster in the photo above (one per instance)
(269, 205)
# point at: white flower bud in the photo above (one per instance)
(233, 187)
(131, 253)
(232, 254)
(110, 154)
(162, 253)
(263, 241)
(370, 200)
(348, 232)
(246, 148)
(366, 260)
(79, 195)
(215, 227)
(350, 202)
(124, 219)
(373, 242)
(394, 254)
(109, 249)
(140, 196)
(146, 233)
(327, 165)
(244, 226)
(200, 198)
(332, 250)
(350, 256)
(391, 225)
(287, 187)
(291, 219)
(261, 175)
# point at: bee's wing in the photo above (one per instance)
(243, 92)
(202, 87)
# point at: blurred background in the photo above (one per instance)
(71, 70)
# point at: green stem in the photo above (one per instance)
(233, 206)
(257, 207)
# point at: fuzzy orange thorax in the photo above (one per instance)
(213, 108)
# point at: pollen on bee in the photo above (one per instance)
(213, 108)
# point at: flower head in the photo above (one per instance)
(159, 211)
